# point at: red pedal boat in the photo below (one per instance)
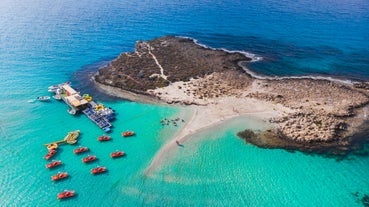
(50, 154)
(89, 158)
(54, 163)
(117, 154)
(66, 194)
(103, 138)
(80, 150)
(128, 133)
(59, 176)
(98, 170)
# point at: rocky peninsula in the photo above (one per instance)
(306, 113)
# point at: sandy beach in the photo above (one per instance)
(219, 111)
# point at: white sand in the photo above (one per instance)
(220, 110)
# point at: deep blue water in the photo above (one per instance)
(47, 42)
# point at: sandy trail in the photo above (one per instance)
(157, 62)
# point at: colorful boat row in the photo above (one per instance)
(87, 159)
(72, 136)
(124, 134)
(70, 193)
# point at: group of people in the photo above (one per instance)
(167, 122)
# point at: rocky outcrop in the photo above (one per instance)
(308, 126)
(155, 64)
(323, 113)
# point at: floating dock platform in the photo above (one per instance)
(99, 120)
(97, 113)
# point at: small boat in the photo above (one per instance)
(128, 133)
(43, 98)
(80, 150)
(117, 154)
(54, 163)
(66, 194)
(98, 170)
(50, 154)
(59, 176)
(104, 138)
(89, 158)
(52, 146)
(57, 97)
(54, 88)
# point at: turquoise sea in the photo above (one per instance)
(43, 43)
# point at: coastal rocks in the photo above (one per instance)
(362, 85)
(272, 139)
(309, 126)
(327, 112)
(318, 95)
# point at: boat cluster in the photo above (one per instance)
(52, 150)
(53, 89)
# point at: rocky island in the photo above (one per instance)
(305, 113)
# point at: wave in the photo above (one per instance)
(265, 77)
(252, 56)
(255, 58)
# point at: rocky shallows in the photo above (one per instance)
(308, 114)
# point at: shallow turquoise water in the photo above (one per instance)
(47, 42)
(233, 173)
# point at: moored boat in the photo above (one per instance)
(80, 150)
(117, 154)
(128, 133)
(50, 154)
(43, 98)
(52, 146)
(54, 88)
(66, 194)
(98, 170)
(59, 176)
(89, 158)
(57, 97)
(104, 138)
(54, 163)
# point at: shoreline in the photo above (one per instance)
(311, 77)
(255, 58)
(180, 71)
(212, 115)
(192, 128)
(127, 95)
